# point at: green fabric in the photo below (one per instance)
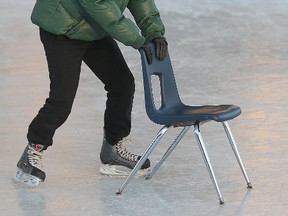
(94, 19)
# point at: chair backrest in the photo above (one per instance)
(168, 89)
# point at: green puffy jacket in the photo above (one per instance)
(90, 20)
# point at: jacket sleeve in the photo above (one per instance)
(107, 15)
(147, 18)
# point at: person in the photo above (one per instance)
(76, 31)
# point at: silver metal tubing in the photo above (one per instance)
(169, 150)
(207, 161)
(236, 152)
(144, 157)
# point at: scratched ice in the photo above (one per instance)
(222, 52)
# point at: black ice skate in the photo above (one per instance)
(29, 167)
(117, 161)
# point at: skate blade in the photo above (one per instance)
(25, 180)
(114, 170)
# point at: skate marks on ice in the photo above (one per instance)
(239, 47)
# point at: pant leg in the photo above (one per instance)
(64, 57)
(105, 59)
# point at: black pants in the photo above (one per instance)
(64, 57)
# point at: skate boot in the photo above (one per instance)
(29, 167)
(117, 161)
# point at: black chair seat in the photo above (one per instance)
(183, 114)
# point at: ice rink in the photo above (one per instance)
(222, 52)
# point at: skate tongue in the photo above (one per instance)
(37, 147)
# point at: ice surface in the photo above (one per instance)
(222, 52)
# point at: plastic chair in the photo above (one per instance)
(173, 113)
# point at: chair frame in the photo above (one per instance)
(185, 127)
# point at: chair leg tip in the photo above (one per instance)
(249, 185)
(148, 177)
(221, 202)
(119, 192)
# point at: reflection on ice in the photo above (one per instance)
(222, 52)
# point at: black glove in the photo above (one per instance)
(148, 52)
(161, 46)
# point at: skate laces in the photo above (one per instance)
(124, 153)
(35, 157)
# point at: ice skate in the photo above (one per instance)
(117, 161)
(29, 167)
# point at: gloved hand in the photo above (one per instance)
(161, 46)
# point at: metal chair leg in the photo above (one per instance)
(236, 152)
(207, 161)
(144, 157)
(169, 150)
